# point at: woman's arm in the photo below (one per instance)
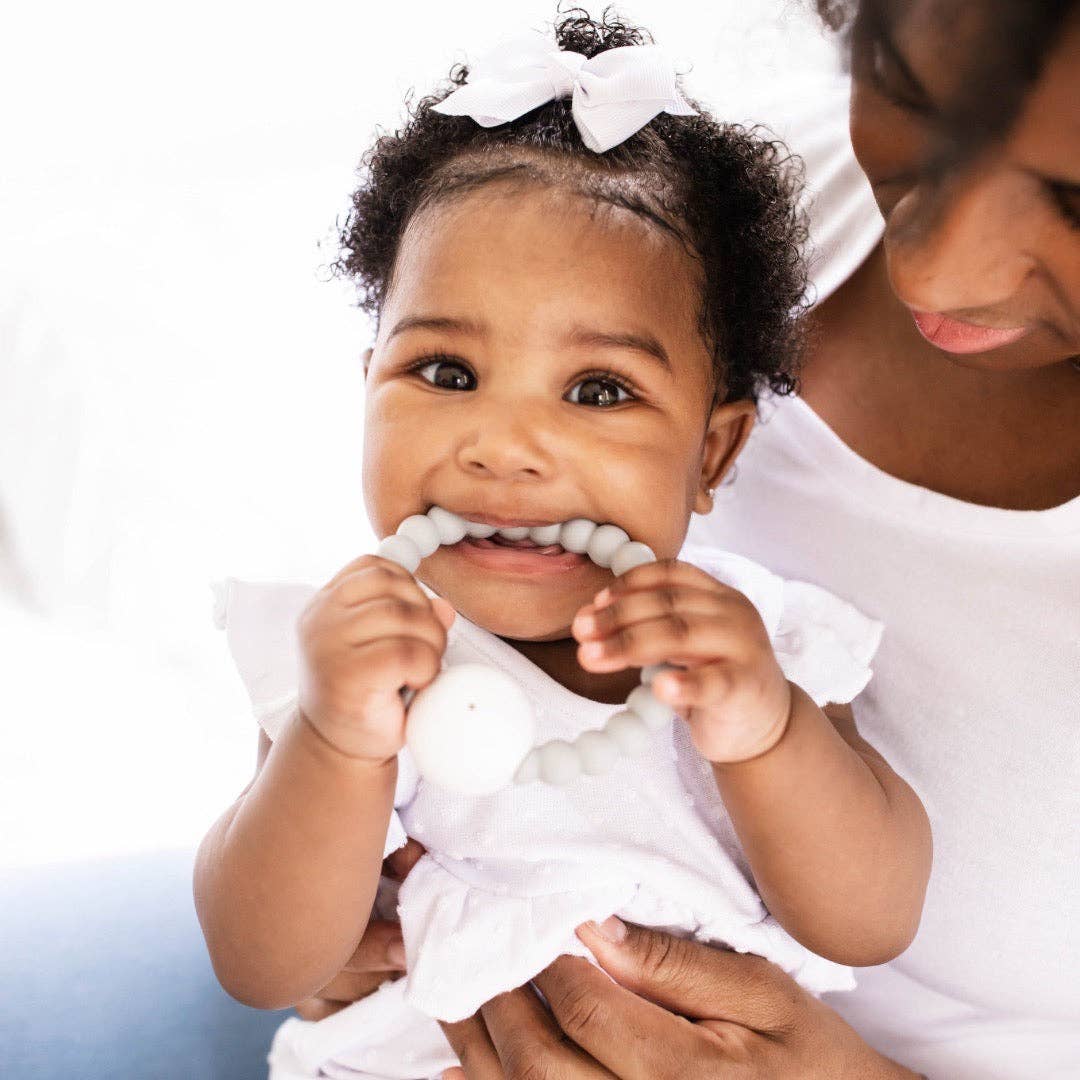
(676, 1009)
(838, 844)
(285, 880)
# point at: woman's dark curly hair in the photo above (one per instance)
(727, 193)
(1001, 48)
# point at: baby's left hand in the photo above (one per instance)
(733, 693)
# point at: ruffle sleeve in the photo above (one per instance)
(823, 643)
(259, 620)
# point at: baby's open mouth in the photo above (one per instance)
(526, 544)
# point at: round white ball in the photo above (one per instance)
(576, 534)
(628, 556)
(545, 534)
(420, 529)
(629, 732)
(470, 729)
(559, 762)
(597, 752)
(450, 527)
(605, 542)
(400, 550)
(642, 702)
(479, 531)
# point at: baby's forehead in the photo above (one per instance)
(522, 253)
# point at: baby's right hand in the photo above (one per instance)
(369, 632)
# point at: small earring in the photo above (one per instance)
(711, 492)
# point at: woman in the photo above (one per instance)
(930, 472)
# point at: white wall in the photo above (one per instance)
(180, 390)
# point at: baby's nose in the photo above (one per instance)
(505, 449)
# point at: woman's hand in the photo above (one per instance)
(676, 1009)
(379, 956)
(366, 634)
(732, 692)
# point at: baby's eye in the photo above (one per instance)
(448, 375)
(599, 393)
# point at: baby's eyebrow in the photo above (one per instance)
(436, 322)
(642, 343)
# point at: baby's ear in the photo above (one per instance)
(366, 357)
(729, 427)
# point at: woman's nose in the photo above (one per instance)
(503, 447)
(964, 247)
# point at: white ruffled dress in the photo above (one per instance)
(509, 876)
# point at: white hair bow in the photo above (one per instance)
(615, 94)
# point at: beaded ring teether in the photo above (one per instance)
(472, 729)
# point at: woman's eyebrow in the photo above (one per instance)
(436, 322)
(888, 45)
(642, 343)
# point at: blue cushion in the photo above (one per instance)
(106, 977)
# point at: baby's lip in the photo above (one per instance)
(508, 523)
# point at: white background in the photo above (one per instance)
(180, 384)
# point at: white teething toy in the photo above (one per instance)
(472, 730)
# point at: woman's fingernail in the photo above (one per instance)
(395, 954)
(611, 929)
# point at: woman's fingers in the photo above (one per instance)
(631, 1037)
(398, 864)
(695, 980)
(469, 1039)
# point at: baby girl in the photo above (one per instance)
(582, 281)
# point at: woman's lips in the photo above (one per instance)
(520, 557)
(956, 336)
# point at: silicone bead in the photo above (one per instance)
(629, 732)
(596, 751)
(529, 770)
(401, 550)
(451, 527)
(545, 534)
(479, 531)
(655, 713)
(515, 532)
(559, 762)
(605, 542)
(649, 673)
(628, 556)
(575, 535)
(422, 532)
(470, 729)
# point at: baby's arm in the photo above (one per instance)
(838, 844)
(286, 878)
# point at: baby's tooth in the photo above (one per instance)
(401, 550)
(478, 531)
(420, 529)
(575, 535)
(605, 542)
(450, 527)
(515, 532)
(630, 555)
(544, 535)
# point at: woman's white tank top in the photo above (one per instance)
(975, 699)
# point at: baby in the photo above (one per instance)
(582, 282)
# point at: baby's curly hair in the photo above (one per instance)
(727, 193)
